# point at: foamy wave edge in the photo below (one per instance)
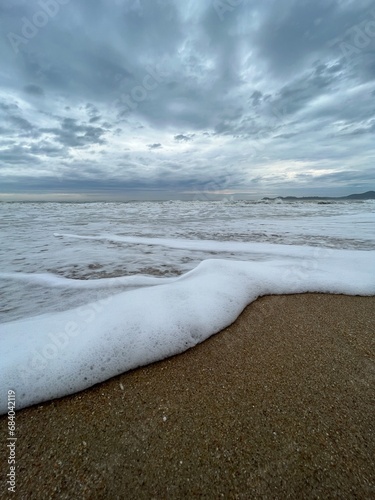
(61, 353)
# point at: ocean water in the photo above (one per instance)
(90, 290)
(104, 240)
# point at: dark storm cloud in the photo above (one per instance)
(234, 93)
(20, 123)
(95, 119)
(182, 137)
(299, 92)
(33, 90)
(73, 134)
(295, 33)
(18, 155)
(256, 97)
(16, 125)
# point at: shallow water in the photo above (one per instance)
(89, 291)
(149, 238)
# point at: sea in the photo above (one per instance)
(139, 281)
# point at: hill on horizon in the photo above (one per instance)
(368, 195)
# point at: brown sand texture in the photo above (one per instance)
(278, 405)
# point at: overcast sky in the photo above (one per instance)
(133, 99)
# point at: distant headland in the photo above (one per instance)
(369, 195)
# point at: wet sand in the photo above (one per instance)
(278, 405)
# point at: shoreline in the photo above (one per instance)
(278, 404)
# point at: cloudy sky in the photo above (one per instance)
(159, 99)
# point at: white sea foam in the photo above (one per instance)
(54, 281)
(265, 249)
(153, 240)
(60, 353)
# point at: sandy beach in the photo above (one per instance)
(278, 405)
